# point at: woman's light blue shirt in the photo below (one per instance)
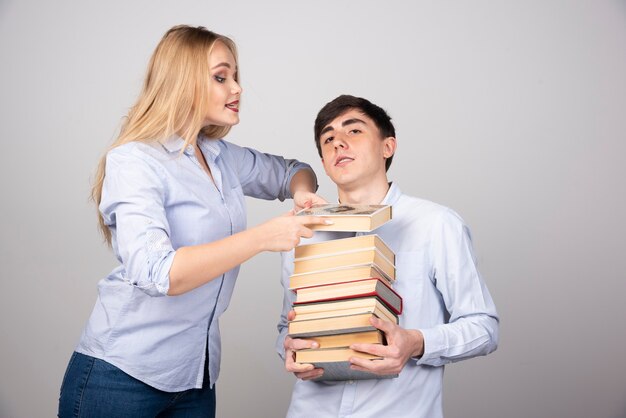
(155, 200)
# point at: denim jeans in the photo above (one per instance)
(94, 388)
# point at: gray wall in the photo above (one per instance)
(510, 112)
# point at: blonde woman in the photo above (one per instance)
(171, 204)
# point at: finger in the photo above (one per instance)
(305, 232)
(319, 200)
(291, 315)
(314, 220)
(313, 374)
(294, 367)
(300, 343)
(387, 327)
(290, 213)
(364, 364)
(375, 349)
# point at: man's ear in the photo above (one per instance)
(389, 146)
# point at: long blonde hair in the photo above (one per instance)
(173, 98)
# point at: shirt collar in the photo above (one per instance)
(209, 147)
(173, 144)
(392, 196)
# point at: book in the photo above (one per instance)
(353, 218)
(340, 370)
(342, 308)
(336, 260)
(347, 290)
(332, 326)
(343, 245)
(338, 275)
(331, 354)
(344, 340)
(336, 365)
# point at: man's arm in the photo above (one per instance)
(473, 327)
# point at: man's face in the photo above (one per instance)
(353, 152)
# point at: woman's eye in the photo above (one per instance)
(219, 79)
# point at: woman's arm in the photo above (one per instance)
(303, 187)
(196, 265)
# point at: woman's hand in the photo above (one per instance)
(302, 199)
(284, 232)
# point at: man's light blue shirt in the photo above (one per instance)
(156, 199)
(444, 297)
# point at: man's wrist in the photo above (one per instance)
(417, 343)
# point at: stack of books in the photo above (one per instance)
(340, 284)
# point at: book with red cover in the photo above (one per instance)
(353, 289)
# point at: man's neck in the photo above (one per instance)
(373, 194)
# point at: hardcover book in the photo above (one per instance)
(342, 308)
(336, 365)
(347, 290)
(355, 218)
(333, 325)
(337, 260)
(338, 275)
(344, 340)
(344, 245)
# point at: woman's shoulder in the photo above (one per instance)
(150, 152)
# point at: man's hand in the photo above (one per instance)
(302, 199)
(402, 344)
(302, 371)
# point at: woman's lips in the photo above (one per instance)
(234, 106)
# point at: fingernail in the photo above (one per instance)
(315, 345)
(328, 222)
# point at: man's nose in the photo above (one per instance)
(340, 142)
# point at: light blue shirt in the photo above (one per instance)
(444, 297)
(155, 200)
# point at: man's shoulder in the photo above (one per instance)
(424, 211)
(421, 206)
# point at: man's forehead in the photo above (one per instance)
(349, 117)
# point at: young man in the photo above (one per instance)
(448, 312)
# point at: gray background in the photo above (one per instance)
(510, 112)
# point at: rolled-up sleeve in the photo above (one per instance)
(264, 176)
(472, 328)
(133, 206)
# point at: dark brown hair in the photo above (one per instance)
(344, 103)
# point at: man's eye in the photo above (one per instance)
(355, 131)
(329, 139)
(219, 79)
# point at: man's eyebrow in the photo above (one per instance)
(351, 121)
(328, 128)
(344, 123)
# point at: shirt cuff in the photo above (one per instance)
(434, 344)
(160, 283)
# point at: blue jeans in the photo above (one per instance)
(94, 388)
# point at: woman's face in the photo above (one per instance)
(224, 91)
